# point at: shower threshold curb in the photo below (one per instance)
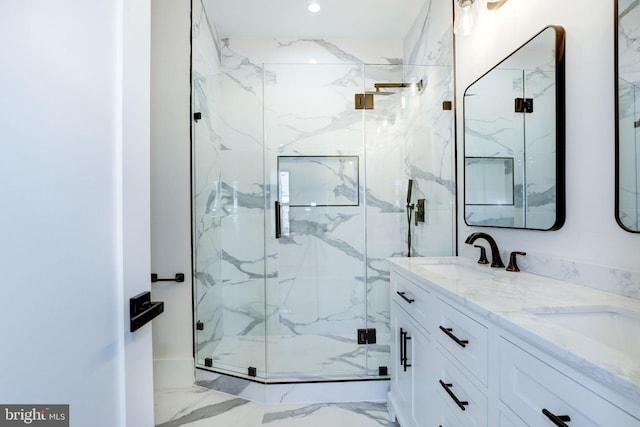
(301, 390)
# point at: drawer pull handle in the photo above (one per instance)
(405, 338)
(447, 387)
(558, 420)
(402, 294)
(449, 332)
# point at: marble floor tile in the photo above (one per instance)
(358, 414)
(202, 407)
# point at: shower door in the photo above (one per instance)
(298, 199)
(316, 270)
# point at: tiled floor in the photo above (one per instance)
(200, 407)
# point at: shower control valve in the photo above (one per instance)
(420, 211)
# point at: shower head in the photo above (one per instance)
(377, 92)
(364, 101)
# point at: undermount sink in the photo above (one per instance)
(614, 327)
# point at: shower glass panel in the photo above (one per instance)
(408, 135)
(299, 198)
(315, 286)
(228, 223)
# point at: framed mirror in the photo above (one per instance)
(514, 139)
(627, 13)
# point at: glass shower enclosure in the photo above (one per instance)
(300, 176)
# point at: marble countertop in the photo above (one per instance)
(510, 300)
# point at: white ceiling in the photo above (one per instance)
(361, 19)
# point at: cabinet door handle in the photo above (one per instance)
(402, 294)
(449, 332)
(558, 420)
(401, 346)
(405, 338)
(447, 387)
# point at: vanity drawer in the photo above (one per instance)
(458, 392)
(529, 386)
(415, 300)
(464, 338)
(441, 414)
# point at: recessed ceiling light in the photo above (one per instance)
(314, 7)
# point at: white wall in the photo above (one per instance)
(590, 233)
(74, 188)
(170, 190)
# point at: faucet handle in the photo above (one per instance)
(483, 255)
(513, 265)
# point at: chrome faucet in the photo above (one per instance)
(496, 261)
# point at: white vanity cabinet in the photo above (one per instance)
(543, 396)
(469, 368)
(429, 386)
(410, 354)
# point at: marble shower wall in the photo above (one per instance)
(329, 276)
(317, 267)
(429, 138)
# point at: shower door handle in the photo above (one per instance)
(278, 223)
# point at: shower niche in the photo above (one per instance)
(318, 180)
(298, 199)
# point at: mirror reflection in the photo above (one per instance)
(628, 115)
(514, 139)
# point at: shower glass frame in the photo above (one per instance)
(254, 316)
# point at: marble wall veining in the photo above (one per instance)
(430, 40)
(201, 406)
(265, 98)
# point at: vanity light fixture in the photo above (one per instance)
(466, 15)
(314, 7)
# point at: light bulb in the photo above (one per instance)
(314, 7)
(466, 20)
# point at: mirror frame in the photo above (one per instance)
(560, 131)
(616, 94)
